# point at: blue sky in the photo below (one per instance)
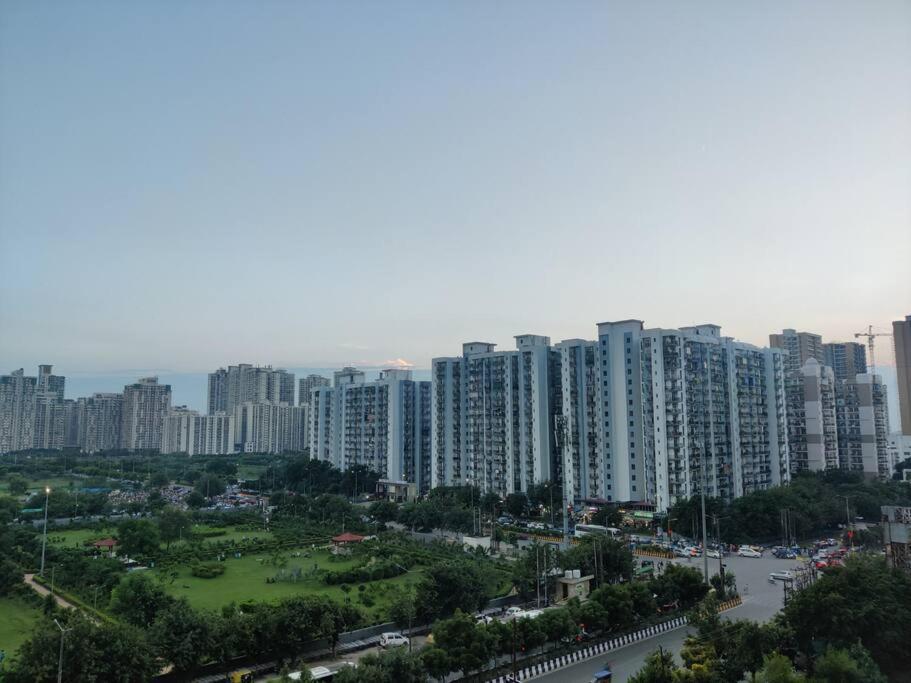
(185, 185)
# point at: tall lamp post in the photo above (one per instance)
(63, 632)
(47, 498)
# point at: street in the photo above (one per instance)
(761, 600)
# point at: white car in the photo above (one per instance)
(781, 576)
(393, 640)
(714, 554)
(747, 551)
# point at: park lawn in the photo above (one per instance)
(38, 485)
(250, 472)
(245, 579)
(16, 623)
(76, 538)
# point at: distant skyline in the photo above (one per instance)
(189, 185)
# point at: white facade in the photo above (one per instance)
(493, 416)
(186, 431)
(863, 426)
(17, 411)
(383, 425)
(145, 407)
(238, 384)
(898, 447)
(99, 418)
(269, 428)
(812, 422)
(308, 384)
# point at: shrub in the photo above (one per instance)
(208, 570)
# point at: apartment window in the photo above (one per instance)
(631, 403)
(629, 382)
(629, 371)
(633, 467)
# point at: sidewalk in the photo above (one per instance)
(29, 580)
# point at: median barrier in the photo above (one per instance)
(546, 666)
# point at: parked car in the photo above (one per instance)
(781, 576)
(747, 551)
(714, 554)
(537, 526)
(393, 640)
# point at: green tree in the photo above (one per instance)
(394, 666)
(615, 561)
(467, 645)
(865, 601)
(138, 537)
(679, 584)
(617, 602)
(854, 665)
(402, 608)
(659, 668)
(17, 485)
(436, 663)
(384, 511)
(558, 625)
(138, 599)
(195, 500)
(449, 586)
(209, 486)
(609, 516)
(182, 636)
(91, 652)
(517, 504)
(777, 668)
(172, 524)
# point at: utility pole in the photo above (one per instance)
(63, 632)
(47, 498)
(515, 671)
(848, 520)
(720, 553)
(705, 549)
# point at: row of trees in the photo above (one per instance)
(851, 626)
(815, 502)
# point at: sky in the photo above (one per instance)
(185, 185)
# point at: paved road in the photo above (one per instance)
(761, 600)
(29, 579)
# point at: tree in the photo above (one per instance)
(91, 652)
(615, 561)
(678, 584)
(609, 516)
(209, 486)
(10, 577)
(517, 504)
(158, 480)
(865, 601)
(449, 586)
(659, 668)
(181, 635)
(195, 500)
(384, 511)
(854, 665)
(617, 602)
(138, 599)
(17, 485)
(138, 537)
(558, 625)
(394, 666)
(777, 668)
(467, 645)
(402, 608)
(436, 663)
(172, 523)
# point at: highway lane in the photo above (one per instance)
(761, 600)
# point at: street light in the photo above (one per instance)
(47, 498)
(63, 632)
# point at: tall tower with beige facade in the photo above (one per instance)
(901, 332)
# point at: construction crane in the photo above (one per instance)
(871, 337)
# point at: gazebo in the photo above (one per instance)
(341, 543)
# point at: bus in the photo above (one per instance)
(587, 529)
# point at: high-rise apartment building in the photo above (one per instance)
(49, 382)
(812, 421)
(384, 424)
(145, 407)
(801, 347)
(186, 431)
(17, 411)
(307, 384)
(269, 427)
(238, 384)
(648, 415)
(901, 333)
(99, 420)
(655, 415)
(862, 419)
(493, 416)
(847, 359)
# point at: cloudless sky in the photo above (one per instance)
(189, 184)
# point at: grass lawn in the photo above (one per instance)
(250, 472)
(245, 579)
(76, 538)
(16, 623)
(37, 485)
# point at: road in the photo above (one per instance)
(29, 580)
(761, 600)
